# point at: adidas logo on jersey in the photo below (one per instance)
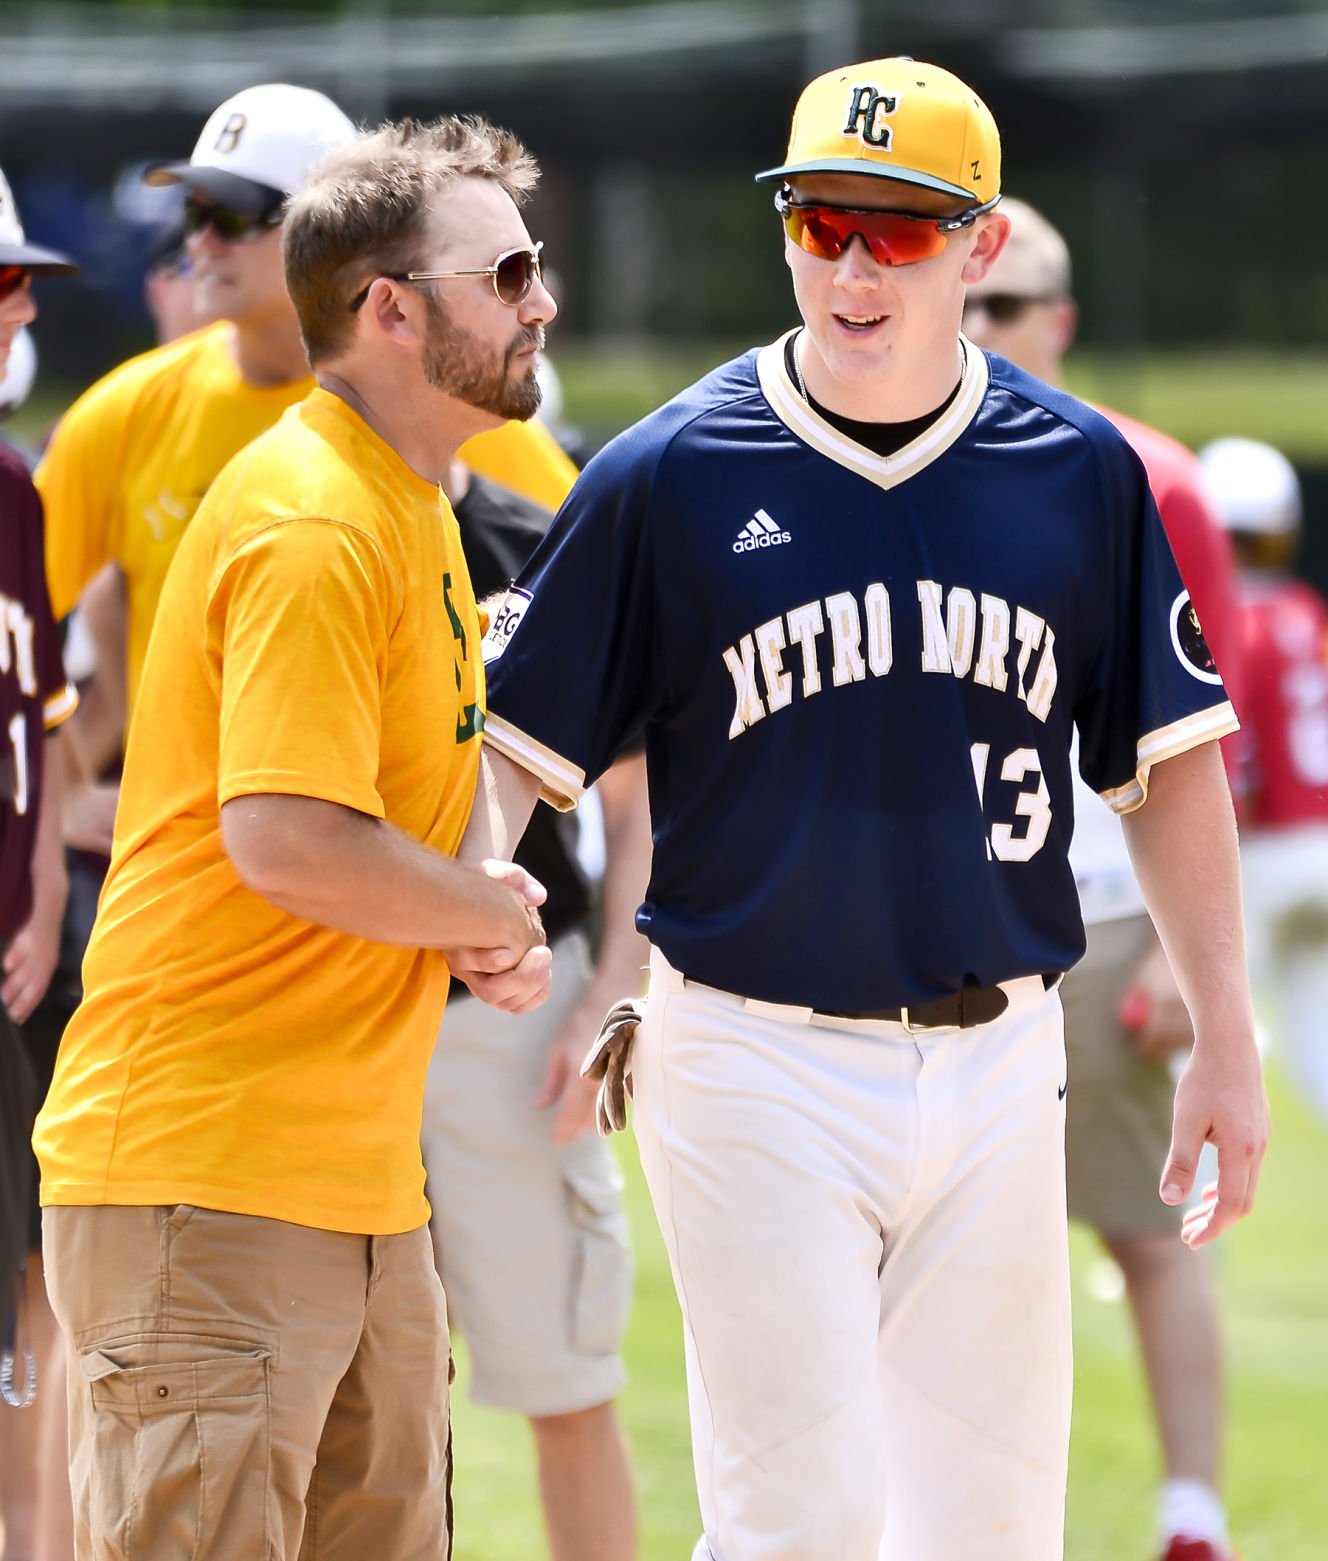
(760, 531)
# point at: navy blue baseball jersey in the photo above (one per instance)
(857, 676)
(34, 695)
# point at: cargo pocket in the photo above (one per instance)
(181, 1447)
(602, 1263)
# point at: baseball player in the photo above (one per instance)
(234, 1208)
(859, 588)
(1284, 839)
(1124, 1018)
(35, 697)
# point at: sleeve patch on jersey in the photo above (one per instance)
(505, 621)
(1187, 640)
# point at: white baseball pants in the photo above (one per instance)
(867, 1233)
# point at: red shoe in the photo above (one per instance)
(1182, 1549)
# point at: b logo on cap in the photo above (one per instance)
(866, 107)
(229, 137)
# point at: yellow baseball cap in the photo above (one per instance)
(896, 119)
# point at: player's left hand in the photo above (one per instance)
(29, 963)
(563, 1086)
(1220, 1100)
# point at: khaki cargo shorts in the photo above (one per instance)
(240, 1388)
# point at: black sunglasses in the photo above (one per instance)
(513, 275)
(1008, 308)
(227, 223)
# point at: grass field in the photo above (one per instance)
(1274, 1278)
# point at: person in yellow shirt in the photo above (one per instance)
(132, 458)
(122, 478)
(235, 1218)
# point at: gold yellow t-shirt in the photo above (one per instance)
(317, 637)
(133, 457)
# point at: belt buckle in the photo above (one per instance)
(920, 1029)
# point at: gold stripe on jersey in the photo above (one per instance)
(886, 471)
(59, 706)
(561, 783)
(1191, 731)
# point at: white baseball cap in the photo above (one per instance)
(14, 247)
(1252, 487)
(260, 146)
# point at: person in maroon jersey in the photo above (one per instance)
(34, 698)
(1284, 841)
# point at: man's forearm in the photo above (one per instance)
(330, 865)
(505, 797)
(1183, 845)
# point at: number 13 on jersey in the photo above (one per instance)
(1032, 804)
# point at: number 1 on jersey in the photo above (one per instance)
(18, 737)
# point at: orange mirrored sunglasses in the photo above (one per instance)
(894, 238)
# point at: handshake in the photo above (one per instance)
(512, 968)
(514, 975)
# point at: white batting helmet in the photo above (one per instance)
(1252, 487)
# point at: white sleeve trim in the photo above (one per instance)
(1165, 743)
(561, 783)
(59, 707)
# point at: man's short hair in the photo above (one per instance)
(365, 213)
(1032, 236)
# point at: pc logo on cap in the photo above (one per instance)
(896, 119)
(260, 145)
(14, 247)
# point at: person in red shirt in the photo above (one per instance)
(1124, 1018)
(1284, 841)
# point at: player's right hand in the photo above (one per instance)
(514, 976)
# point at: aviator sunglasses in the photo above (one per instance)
(13, 279)
(895, 238)
(513, 275)
(226, 222)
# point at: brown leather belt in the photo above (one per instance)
(958, 1010)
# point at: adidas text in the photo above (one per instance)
(760, 531)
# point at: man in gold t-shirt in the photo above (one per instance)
(235, 1210)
